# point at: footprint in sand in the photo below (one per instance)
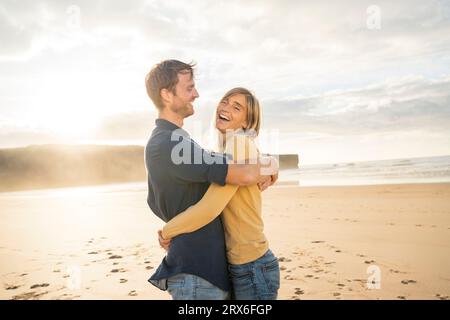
(318, 241)
(338, 251)
(148, 267)
(336, 294)
(408, 281)
(401, 297)
(369, 261)
(29, 295)
(283, 259)
(23, 274)
(93, 252)
(123, 280)
(43, 285)
(282, 268)
(299, 291)
(317, 271)
(12, 287)
(441, 297)
(118, 270)
(67, 296)
(115, 257)
(396, 271)
(133, 293)
(146, 262)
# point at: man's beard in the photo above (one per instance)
(184, 111)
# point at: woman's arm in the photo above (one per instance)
(202, 213)
(216, 197)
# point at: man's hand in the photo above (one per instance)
(164, 243)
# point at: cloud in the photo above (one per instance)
(272, 36)
(401, 105)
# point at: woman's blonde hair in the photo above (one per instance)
(253, 108)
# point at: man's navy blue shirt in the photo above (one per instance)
(179, 173)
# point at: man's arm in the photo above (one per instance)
(219, 171)
(189, 163)
(247, 167)
(243, 174)
(249, 174)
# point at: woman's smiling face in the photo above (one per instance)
(231, 113)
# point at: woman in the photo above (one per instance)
(254, 270)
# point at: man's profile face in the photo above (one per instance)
(185, 94)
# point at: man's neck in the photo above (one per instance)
(175, 119)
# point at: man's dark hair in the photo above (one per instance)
(165, 76)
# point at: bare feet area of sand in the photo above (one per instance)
(356, 242)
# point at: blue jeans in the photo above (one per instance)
(256, 280)
(185, 286)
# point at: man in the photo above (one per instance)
(195, 266)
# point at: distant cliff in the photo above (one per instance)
(288, 161)
(52, 166)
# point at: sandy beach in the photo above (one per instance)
(97, 243)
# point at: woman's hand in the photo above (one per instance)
(164, 243)
(269, 170)
(267, 182)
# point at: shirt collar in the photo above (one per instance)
(167, 125)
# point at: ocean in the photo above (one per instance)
(396, 171)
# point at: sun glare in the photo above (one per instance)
(71, 107)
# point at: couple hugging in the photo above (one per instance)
(216, 248)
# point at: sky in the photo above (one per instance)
(340, 81)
